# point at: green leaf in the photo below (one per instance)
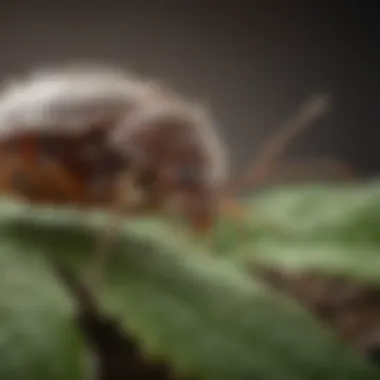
(37, 337)
(201, 313)
(331, 228)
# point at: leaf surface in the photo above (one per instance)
(38, 340)
(193, 308)
(330, 228)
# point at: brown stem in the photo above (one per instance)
(117, 355)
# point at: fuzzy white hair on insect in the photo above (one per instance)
(69, 99)
(194, 127)
(72, 97)
(213, 145)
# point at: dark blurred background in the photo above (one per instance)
(253, 62)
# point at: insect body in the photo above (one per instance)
(67, 136)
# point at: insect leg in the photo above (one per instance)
(124, 190)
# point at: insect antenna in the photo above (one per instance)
(257, 173)
(313, 109)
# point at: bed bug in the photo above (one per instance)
(86, 135)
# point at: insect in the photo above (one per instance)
(89, 135)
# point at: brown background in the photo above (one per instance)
(253, 62)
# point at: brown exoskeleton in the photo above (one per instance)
(67, 135)
(89, 135)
